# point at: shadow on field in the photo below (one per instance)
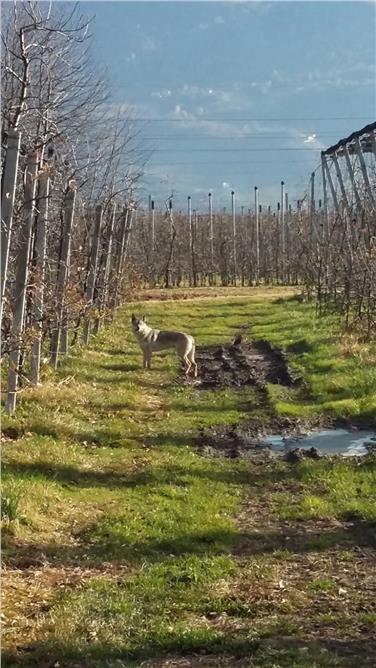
(301, 346)
(310, 538)
(216, 650)
(97, 437)
(108, 538)
(38, 655)
(106, 543)
(70, 475)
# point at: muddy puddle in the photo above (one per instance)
(238, 441)
(343, 442)
(258, 363)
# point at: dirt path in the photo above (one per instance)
(155, 520)
(241, 363)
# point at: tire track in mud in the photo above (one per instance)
(243, 364)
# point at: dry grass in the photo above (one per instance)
(351, 345)
(231, 292)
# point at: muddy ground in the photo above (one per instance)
(239, 364)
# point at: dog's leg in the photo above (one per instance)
(191, 357)
(149, 359)
(145, 360)
(187, 365)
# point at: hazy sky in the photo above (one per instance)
(239, 93)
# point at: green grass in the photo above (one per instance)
(104, 487)
(338, 489)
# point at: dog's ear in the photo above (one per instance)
(144, 318)
(133, 317)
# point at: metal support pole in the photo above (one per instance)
(312, 205)
(22, 273)
(341, 184)
(152, 227)
(330, 181)
(233, 213)
(189, 199)
(92, 270)
(373, 143)
(120, 239)
(39, 269)
(325, 193)
(211, 233)
(363, 167)
(257, 222)
(63, 274)
(9, 181)
(102, 290)
(352, 177)
(283, 231)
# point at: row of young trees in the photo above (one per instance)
(70, 167)
(73, 239)
(326, 241)
(178, 249)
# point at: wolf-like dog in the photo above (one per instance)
(151, 340)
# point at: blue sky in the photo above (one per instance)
(239, 93)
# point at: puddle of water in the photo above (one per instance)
(330, 441)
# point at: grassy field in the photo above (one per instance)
(123, 546)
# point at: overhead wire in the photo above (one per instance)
(247, 120)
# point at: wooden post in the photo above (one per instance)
(22, 271)
(92, 271)
(8, 185)
(38, 274)
(62, 275)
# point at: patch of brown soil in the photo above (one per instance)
(30, 592)
(243, 363)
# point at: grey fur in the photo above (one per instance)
(152, 340)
